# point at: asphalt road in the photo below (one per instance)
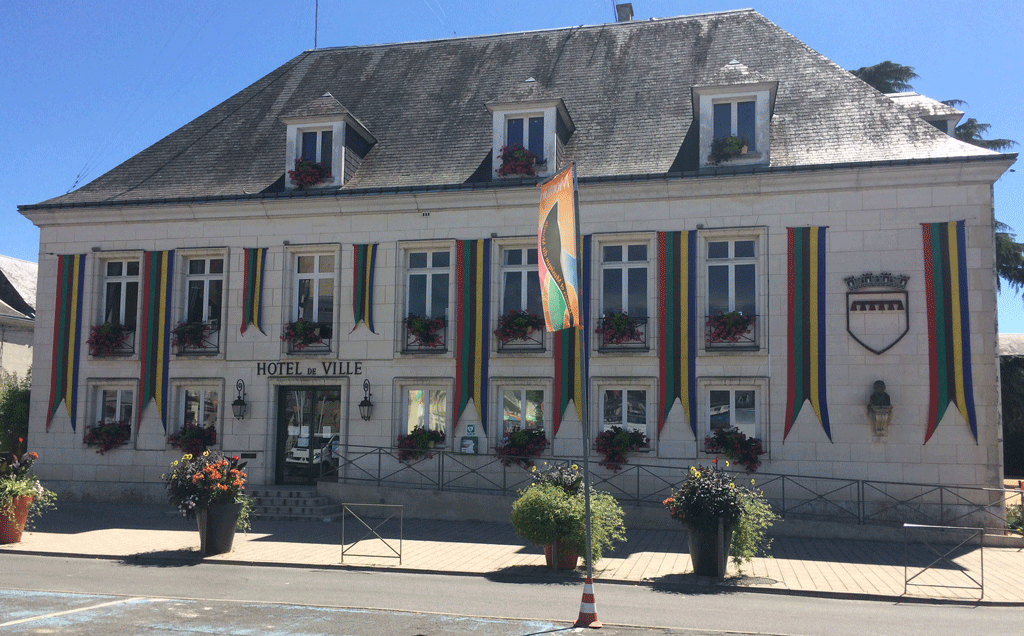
(89, 596)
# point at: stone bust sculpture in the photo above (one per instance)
(879, 397)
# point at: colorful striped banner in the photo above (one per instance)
(472, 318)
(949, 329)
(571, 348)
(252, 303)
(155, 338)
(677, 286)
(806, 326)
(67, 336)
(362, 284)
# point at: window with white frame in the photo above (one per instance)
(625, 407)
(200, 406)
(313, 298)
(736, 117)
(204, 284)
(317, 145)
(115, 405)
(526, 131)
(521, 407)
(732, 291)
(624, 277)
(734, 403)
(121, 292)
(427, 285)
(425, 407)
(520, 284)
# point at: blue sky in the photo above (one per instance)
(87, 84)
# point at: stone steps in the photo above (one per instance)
(288, 503)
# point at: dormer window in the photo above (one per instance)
(324, 132)
(530, 117)
(318, 145)
(527, 132)
(735, 102)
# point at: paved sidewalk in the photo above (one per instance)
(842, 568)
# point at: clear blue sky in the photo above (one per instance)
(87, 84)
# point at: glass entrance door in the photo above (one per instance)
(308, 433)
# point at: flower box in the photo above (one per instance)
(302, 334)
(424, 333)
(418, 444)
(517, 161)
(520, 446)
(730, 327)
(726, 148)
(308, 173)
(109, 339)
(616, 442)
(108, 435)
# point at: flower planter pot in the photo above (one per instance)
(217, 528)
(709, 548)
(567, 559)
(10, 531)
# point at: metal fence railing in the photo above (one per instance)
(646, 482)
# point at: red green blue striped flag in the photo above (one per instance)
(67, 335)
(571, 347)
(252, 300)
(364, 259)
(677, 280)
(156, 330)
(472, 317)
(949, 329)
(806, 325)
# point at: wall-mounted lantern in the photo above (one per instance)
(880, 409)
(366, 406)
(238, 406)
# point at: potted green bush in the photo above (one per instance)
(550, 512)
(22, 496)
(720, 517)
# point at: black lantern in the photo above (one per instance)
(366, 406)
(238, 406)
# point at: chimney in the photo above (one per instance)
(624, 12)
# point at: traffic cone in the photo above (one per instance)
(588, 608)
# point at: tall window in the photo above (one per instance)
(522, 408)
(625, 407)
(732, 277)
(428, 284)
(121, 292)
(200, 406)
(733, 408)
(528, 132)
(624, 279)
(520, 282)
(314, 288)
(318, 145)
(426, 408)
(736, 119)
(204, 285)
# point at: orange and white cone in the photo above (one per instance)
(588, 608)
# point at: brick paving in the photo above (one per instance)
(833, 567)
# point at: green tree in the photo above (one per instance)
(888, 77)
(14, 403)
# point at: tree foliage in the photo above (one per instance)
(888, 77)
(14, 403)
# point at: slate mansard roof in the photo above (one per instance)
(626, 86)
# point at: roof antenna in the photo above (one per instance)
(316, 23)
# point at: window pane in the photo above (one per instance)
(131, 303)
(718, 249)
(114, 268)
(326, 148)
(210, 406)
(132, 268)
(746, 413)
(439, 295)
(513, 296)
(327, 263)
(746, 299)
(612, 408)
(213, 316)
(125, 407)
(744, 249)
(534, 408)
(611, 288)
(112, 310)
(636, 252)
(438, 409)
(306, 264)
(745, 123)
(515, 132)
(194, 310)
(309, 146)
(192, 399)
(216, 265)
(718, 289)
(719, 410)
(513, 257)
(109, 408)
(636, 409)
(531, 256)
(440, 259)
(305, 305)
(612, 254)
(723, 121)
(417, 260)
(512, 409)
(416, 408)
(537, 136)
(325, 301)
(638, 291)
(418, 294)
(197, 266)
(533, 300)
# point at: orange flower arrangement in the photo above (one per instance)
(199, 481)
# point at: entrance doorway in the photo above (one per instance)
(308, 433)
